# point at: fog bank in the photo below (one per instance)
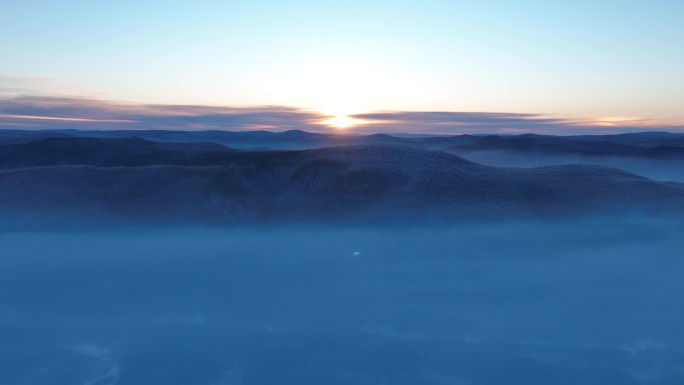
(595, 301)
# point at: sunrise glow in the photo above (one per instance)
(342, 122)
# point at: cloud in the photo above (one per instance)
(17, 86)
(464, 122)
(46, 103)
(444, 122)
(39, 112)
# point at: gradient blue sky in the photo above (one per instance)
(589, 60)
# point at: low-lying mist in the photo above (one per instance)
(596, 301)
(664, 170)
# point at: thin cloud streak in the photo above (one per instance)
(31, 117)
(18, 86)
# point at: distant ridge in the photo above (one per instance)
(632, 144)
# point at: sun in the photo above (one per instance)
(341, 121)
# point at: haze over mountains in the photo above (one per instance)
(295, 176)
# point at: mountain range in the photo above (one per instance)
(195, 177)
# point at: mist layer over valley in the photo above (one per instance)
(590, 301)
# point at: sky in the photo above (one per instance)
(597, 65)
